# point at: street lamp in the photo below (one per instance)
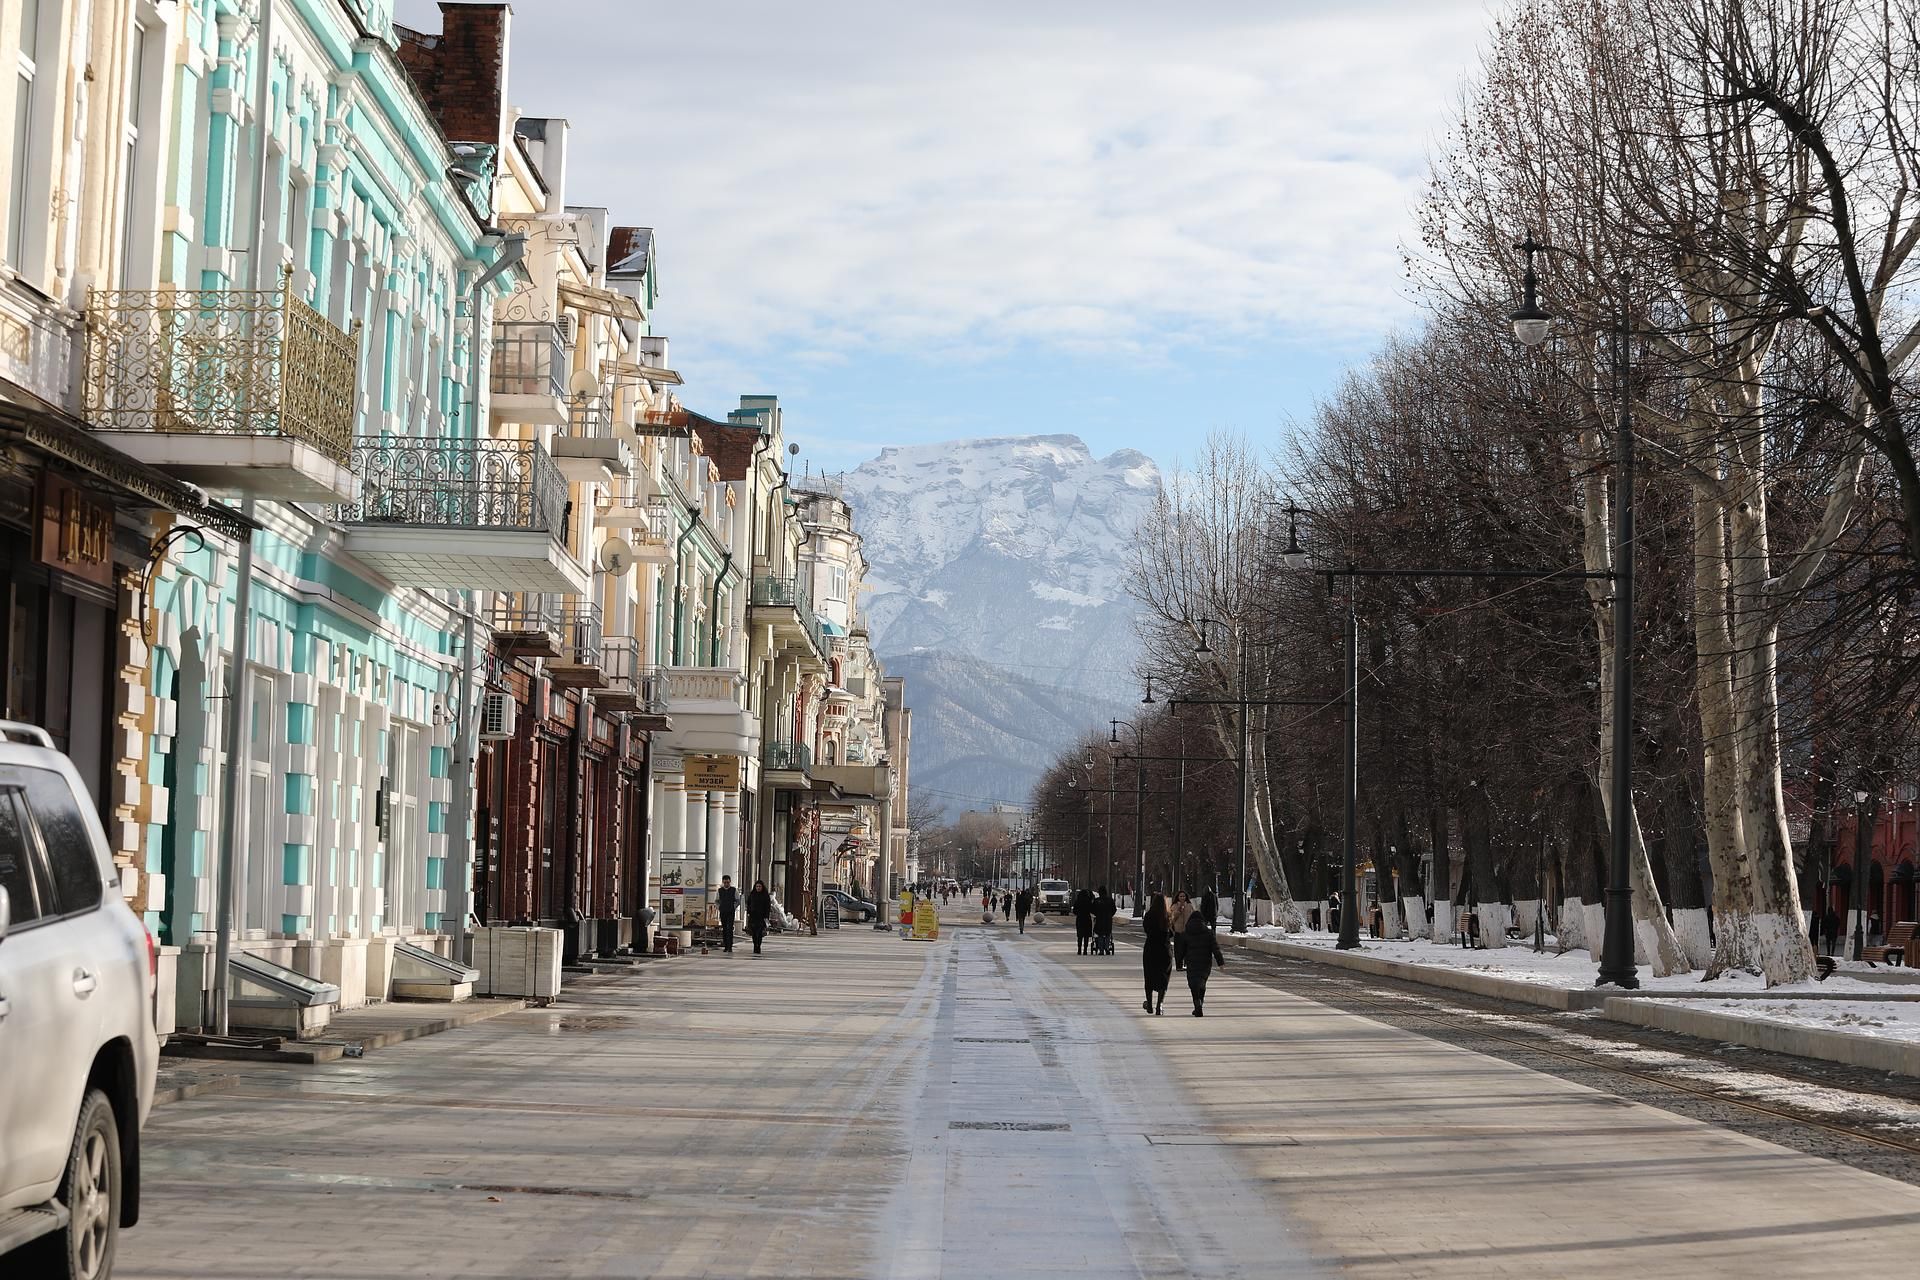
(1863, 822)
(1530, 325)
(1204, 651)
(1139, 811)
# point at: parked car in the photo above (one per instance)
(76, 1023)
(1055, 896)
(852, 909)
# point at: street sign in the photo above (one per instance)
(830, 914)
(711, 773)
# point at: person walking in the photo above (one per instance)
(1203, 952)
(1177, 917)
(1156, 960)
(1006, 907)
(1103, 910)
(1022, 905)
(1083, 919)
(1333, 911)
(759, 907)
(1210, 907)
(729, 902)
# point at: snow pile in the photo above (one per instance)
(1571, 970)
(1878, 1019)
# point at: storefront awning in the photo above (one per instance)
(51, 432)
(605, 302)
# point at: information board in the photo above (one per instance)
(683, 889)
(830, 913)
(926, 921)
(711, 773)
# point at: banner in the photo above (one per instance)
(926, 921)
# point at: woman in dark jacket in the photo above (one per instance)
(1103, 909)
(1156, 959)
(759, 907)
(1083, 919)
(1203, 952)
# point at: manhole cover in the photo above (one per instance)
(1010, 1126)
(991, 1040)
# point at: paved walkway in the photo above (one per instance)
(988, 1105)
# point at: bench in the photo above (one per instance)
(1894, 950)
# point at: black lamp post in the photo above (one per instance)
(1863, 824)
(1139, 811)
(1530, 325)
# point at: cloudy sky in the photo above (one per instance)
(1128, 220)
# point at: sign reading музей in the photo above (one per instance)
(74, 533)
(711, 773)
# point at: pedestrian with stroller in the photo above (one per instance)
(1203, 952)
(1156, 959)
(1177, 917)
(1103, 912)
(759, 907)
(729, 901)
(1083, 919)
(1022, 906)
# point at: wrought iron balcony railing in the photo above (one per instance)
(625, 673)
(529, 359)
(456, 482)
(589, 418)
(789, 592)
(239, 362)
(791, 756)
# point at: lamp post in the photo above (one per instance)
(1139, 812)
(1530, 325)
(1863, 822)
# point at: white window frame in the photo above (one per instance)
(30, 177)
(142, 142)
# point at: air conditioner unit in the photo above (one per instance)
(569, 326)
(498, 713)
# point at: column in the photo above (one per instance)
(730, 838)
(694, 837)
(671, 822)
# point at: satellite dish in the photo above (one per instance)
(616, 556)
(583, 383)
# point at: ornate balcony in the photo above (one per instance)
(232, 389)
(587, 451)
(784, 603)
(529, 382)
(451, 512)
(787, 763)
(708, 706)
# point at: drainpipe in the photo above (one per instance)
(237, 684)
(678, 548)
(713, 610)
(459, 885)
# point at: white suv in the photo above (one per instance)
(77, 1046)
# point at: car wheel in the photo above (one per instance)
(84, 1248)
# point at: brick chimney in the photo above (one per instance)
(462, 72)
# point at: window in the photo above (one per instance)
(16, 861)
(836, 582)
(19, 194)
(71, 854)
(131, 176)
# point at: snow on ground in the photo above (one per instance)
(1880, 1019)
(1569, 970)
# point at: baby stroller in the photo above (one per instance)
(1103, 944)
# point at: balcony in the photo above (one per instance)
(529, 381)
(783, 603)
(563, 630)
(645, 520)
(457, 513)
(855, 782)
(786, 764)
(628, 685)
(586, 449)
(233, 389)
(708, 706)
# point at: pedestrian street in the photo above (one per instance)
(988, 1104)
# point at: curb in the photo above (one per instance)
(313, 1052)
(1559, 999)
(1801, 1042)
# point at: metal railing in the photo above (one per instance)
(525, 613)
(529, 359)
(580, 635)
(769, 589)
(572, 623)
(459, 483)
(648, 515)
(241, 362)
(589, 418)
(792, 756)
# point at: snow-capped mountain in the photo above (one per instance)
(1011, 553)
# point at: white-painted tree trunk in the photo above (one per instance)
(1443, 922)
(1494, 917)
(1526, 915)
(1389, 920)
(1573, 925)
(1417, 926)
(1696, 939)
(1596, 913)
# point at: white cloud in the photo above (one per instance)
(1115, 177)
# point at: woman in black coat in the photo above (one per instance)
(1156, 958)
(759, 907)
(1083, 919)
(1203, 952)
(1103, 909)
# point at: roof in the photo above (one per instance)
(729, 444)
(630, 250)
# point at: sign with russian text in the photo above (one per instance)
(711, 773)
